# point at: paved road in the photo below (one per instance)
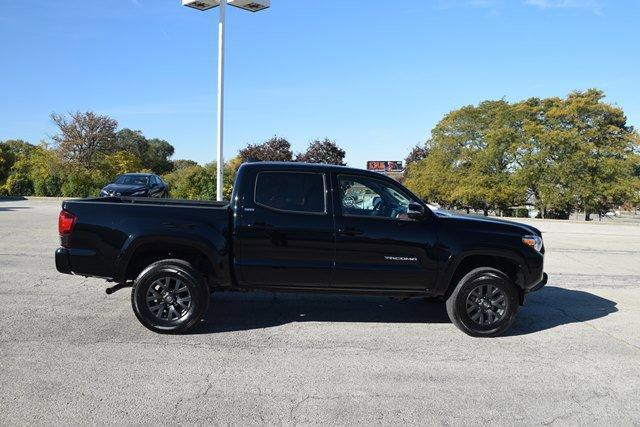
(71, 354)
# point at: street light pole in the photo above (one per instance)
(220, 102)
(251, 6)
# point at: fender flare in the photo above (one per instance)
(210, 249)
(452, 265)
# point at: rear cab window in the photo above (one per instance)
(300, 192)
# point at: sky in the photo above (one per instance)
(374, 76)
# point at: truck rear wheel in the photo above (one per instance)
(170, 296)
(484, 303)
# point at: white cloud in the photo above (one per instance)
(594, 6)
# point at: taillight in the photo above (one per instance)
(66, 221)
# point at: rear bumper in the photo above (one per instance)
(62, 261)
(81, 262)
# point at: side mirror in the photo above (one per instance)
(415, 211)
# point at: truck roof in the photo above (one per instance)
(310, 166)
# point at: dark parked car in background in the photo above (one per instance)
(136, 185)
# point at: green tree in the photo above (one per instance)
(558, 154)
(154, 154)
(197, 182)
(576, 154)
(18, 184)
(193, 182)
(19, 147)
(7, 159)
(11, 151)
(45, 170)
(14, 167)
(82, 182)
(600, 170)
(469, 159)
(182, 163)
(120, 162)
(132, 141)
(158, 156)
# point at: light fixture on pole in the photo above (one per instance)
(252, 6)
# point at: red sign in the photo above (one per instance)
(384, 166)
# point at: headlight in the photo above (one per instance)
(103, 193)
(138, 193)
(534, 241)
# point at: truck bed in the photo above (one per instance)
(108, 231)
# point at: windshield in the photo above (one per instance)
(132, 180)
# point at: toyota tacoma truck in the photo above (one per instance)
(295, 227)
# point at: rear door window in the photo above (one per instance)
(291, 191)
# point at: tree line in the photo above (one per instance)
(89, 151)
(559, 155)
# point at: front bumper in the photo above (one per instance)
(540, 285)
(62, 261)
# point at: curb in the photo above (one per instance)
(22, 198)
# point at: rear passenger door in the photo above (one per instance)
(285, 231)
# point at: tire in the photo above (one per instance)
(476, 307)
(170, 296)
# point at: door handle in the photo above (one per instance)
(350, 231)
(260, 225)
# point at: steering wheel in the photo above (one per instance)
(384, 210)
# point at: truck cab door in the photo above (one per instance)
(378, 246)
(284, 232)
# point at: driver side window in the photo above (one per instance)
(363, 196)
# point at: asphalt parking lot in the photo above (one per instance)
(71, 354)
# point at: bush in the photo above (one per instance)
(83, 183)
(48, 186)
(19, 184)
(199, 182)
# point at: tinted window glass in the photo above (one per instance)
(132, 180)
(300, 192)
(362, 196)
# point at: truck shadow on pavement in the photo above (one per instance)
(553, 306)
(546, 309)
(12, 208)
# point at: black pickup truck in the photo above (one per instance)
(301, 227)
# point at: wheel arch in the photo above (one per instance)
(510, 264)
(143, 251)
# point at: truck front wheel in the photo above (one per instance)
(484, 303)
(170, 296)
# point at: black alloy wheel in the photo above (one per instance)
(170, 296)
(484, 302)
